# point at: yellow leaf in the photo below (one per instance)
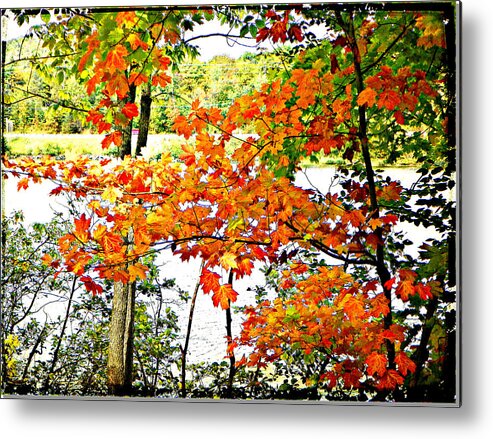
(228, 260)
(99, 231)
(111, 194)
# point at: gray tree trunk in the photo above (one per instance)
(120, 351)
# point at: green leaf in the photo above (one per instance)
(244, 30)
(45, 16)
(292, 314)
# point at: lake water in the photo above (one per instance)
(208, 332)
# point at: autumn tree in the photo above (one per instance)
(376, 81)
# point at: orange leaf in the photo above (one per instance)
(389, 99)
(78, 265)
(404, 363)
(137, 78)
(81, 231)
(128, 18)
(162, 79)
(405, 289)
(137, 271)
(23, 184)
(224, 295)
(136, 42)
(377, 363)
(118, 85)
(390, 380)
(391, 192)
(355, 217)
(99, 232)
(111, 242)
(380, 305)
(353, 307)
(182, 127)
(367, 97)
(115, 59)
(47, 259)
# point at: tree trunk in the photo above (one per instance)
(382, 271)
(120, 350)
(62, 334)
(126, 148)
(229, 337)
(145, 117)
(184, 348)
(121, 333)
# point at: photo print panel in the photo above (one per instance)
(248, 202)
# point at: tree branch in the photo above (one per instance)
(46, 98)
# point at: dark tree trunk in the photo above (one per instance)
(382, 270)
(126, 147)
(229, 338)
(145, 117)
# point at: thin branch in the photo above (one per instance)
(37, 58)
(46, 98)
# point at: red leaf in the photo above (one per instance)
(91, 286)
(130, 110)
(424, 291)
(389, 99)
(82, 225)
(295, 33)
(115, 137)
(399, 117)
(209, 281)
(389, 219)
(389, 284)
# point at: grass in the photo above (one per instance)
(69, 145)
(74, 145)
